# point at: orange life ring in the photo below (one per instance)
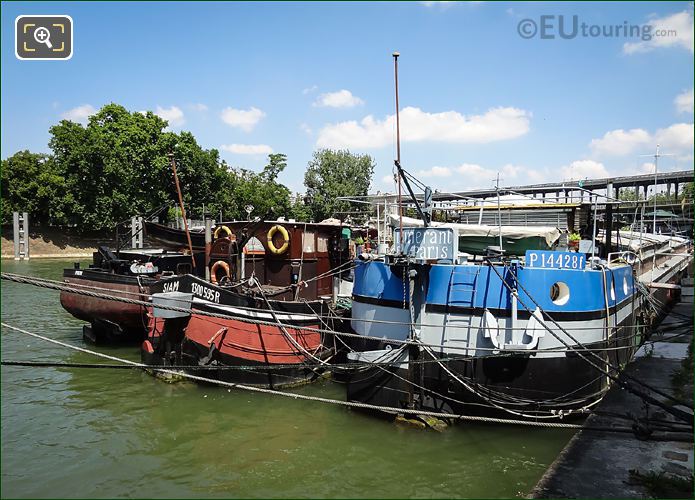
(215, 267)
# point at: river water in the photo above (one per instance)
(75, 432)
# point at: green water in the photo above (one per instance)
(121, 433)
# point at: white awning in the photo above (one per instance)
(550, 234)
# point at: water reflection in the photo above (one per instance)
(106, 433)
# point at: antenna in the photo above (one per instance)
(656, 157)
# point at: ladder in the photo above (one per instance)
(461, 293)
(136, 231)
(462, 286)
(21, 235)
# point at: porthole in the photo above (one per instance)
(626, 288)
(613, 291)
(559, 293)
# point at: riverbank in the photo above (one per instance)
(53, 243)
(619, 465)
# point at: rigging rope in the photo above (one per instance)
(646, 397)
(336, 402)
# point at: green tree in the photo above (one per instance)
(118, 166)
(628, 194)
(299, 210)
(30, 183)
(331, 174)
(262, 191)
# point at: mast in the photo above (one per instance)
(499, 211)
(398, 143)
(397, 162)
(183, 209)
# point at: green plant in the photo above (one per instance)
(574, 237)
(662, 485)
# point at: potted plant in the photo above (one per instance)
(573, 240)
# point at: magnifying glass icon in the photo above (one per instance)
(42, 35)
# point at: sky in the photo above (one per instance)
(485, 87)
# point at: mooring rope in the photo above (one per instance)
(263, 390)
(66, 287)
(681, 415)
(33, 280)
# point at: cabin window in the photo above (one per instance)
(309, 242)
(626, 288)
(559, 293)
(254, 246)
(322, 244)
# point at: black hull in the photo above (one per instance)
(212, 295)
(510, 386)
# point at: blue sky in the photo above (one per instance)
(476, 97)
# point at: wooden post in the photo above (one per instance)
(208, 247)
(183, 209)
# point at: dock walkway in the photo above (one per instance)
(603, 465)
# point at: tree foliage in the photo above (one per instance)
(119, 165)
(629, 194)
(31, 184)
(262, 191)
(331, 174)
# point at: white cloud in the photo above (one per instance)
(620, 142)
(581, 169)
(199, 107)
(246, 120)
(445, 4)
(684, 102)
(247, 149)
(647, 168)
(472, 175)
(475, 171)
(509, 174)
(80, 114)
(442, 3)
(309, 90)
(675, 30)
(306, 129)
(419, 126)
(340, 99)
(676, 138)
(173, 115)
(435, 172)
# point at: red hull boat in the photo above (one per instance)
(272, 332)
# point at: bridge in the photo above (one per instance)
(573, 189)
